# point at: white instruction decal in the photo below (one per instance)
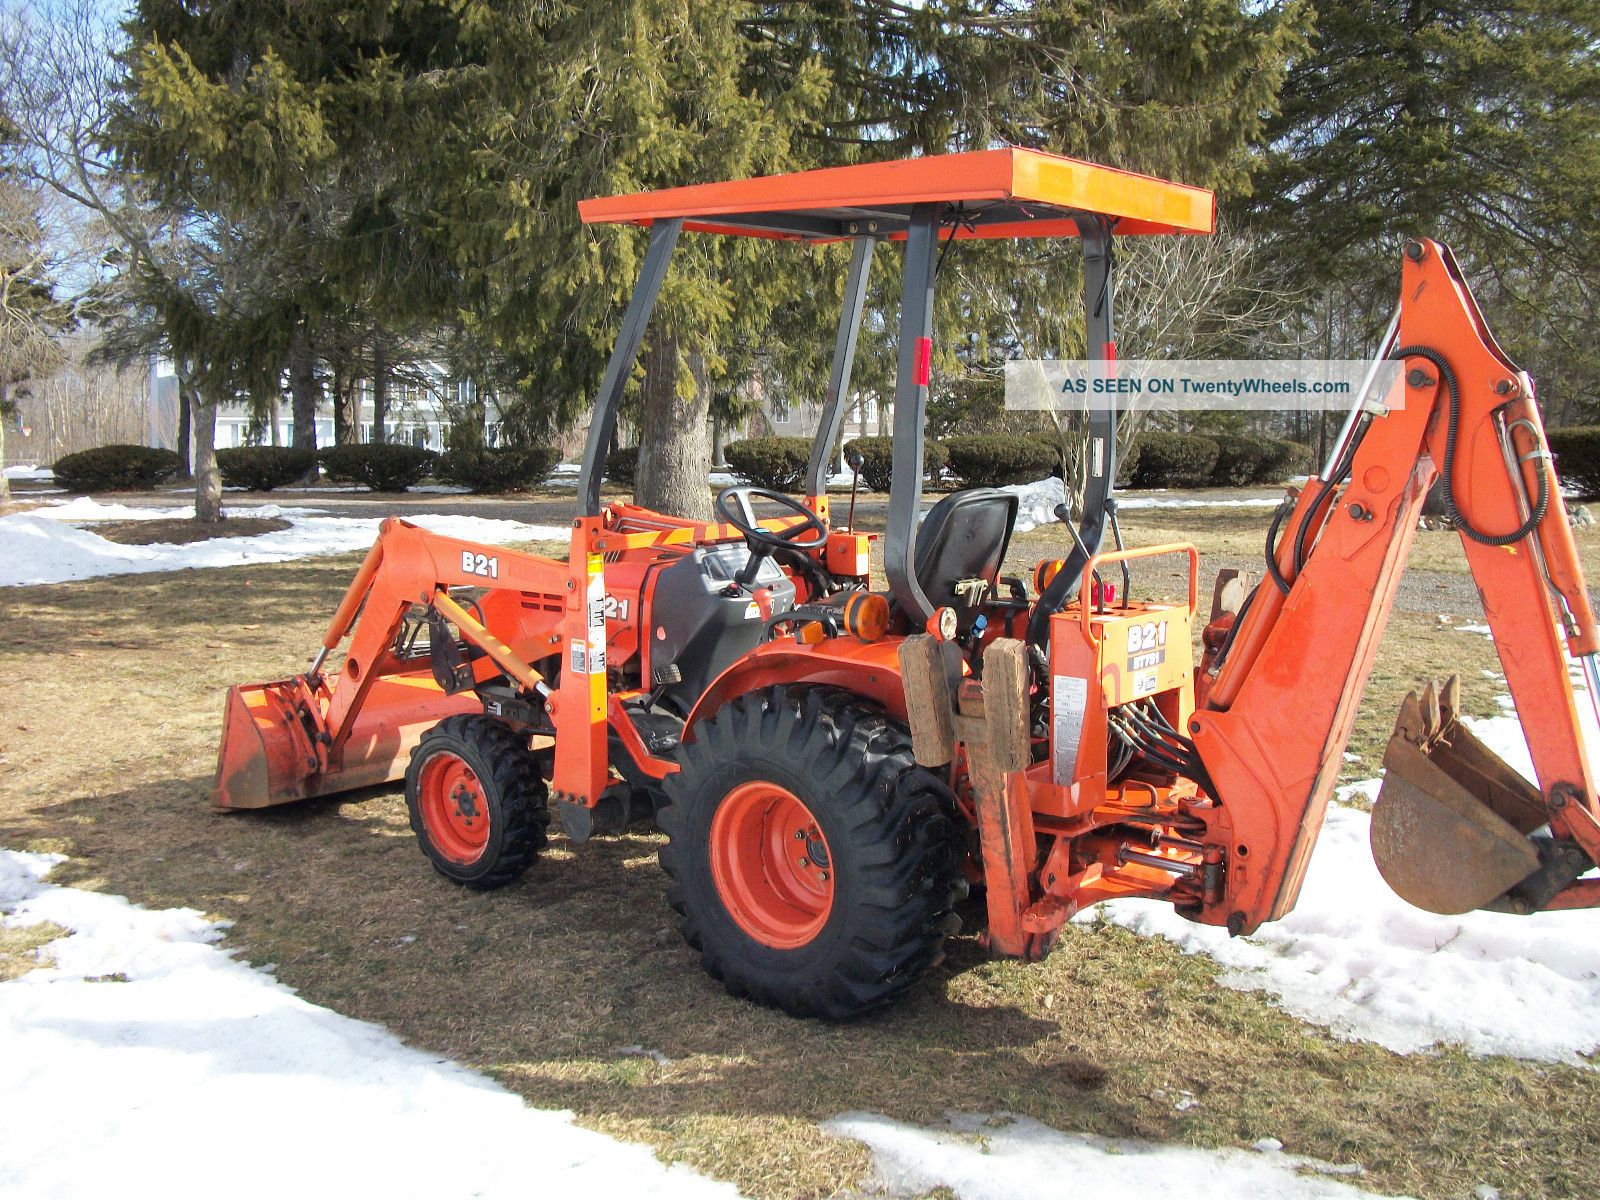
(1069, 696)
(596, 596)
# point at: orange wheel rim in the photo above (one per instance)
(771, 865)
(454, 810)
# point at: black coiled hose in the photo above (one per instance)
(1456, 516)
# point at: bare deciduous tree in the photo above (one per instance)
(60, 74)
(31, 319)
(1176, 298)
(80, 402)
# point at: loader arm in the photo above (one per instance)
(322, 732)
(1279, 712)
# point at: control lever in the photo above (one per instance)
(1116, 536)
(1065, 517)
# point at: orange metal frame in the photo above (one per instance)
(1140, 204)
(323, 732)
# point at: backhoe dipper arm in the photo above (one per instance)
(1280, 712)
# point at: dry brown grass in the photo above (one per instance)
(20, 947)
(112, 709)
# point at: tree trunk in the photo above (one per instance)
(5, 484)
(185, 429)
(380, 391)
(207, 479)
(341, 403)
(272, 420)
(674, 457)
(304, 387)
(718, 437)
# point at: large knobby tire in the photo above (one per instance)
(477, 802)
(812, 861)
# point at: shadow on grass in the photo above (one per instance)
(554, 984)
(544, 980)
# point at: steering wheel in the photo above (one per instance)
(733, 506)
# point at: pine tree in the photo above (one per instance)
(433, 157)
(1476, 124)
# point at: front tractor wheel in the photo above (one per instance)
(812, 861)
(477, 802)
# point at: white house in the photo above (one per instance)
(415, 413)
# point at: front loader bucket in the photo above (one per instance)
(276, 747)
(265, 756)
(1450, 825)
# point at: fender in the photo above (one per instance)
(869, 669)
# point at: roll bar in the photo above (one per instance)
(1098, 502)
(911, 391)
(844, 359)
(663, 238)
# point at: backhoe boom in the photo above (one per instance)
(1280, 711)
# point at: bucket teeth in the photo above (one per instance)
(1450, 825)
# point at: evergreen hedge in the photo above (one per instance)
(262, 468)
(1577, 453)
(1169, 459)
(622, 465)
(778, 463)
(382, 467)
(116, 468)
(877, 460)
(996, 459)
(1245, 459)
(497, 468)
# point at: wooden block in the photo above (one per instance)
(1005, 703)
(930, 699)
(1227, 596)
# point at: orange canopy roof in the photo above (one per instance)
(1001, 193)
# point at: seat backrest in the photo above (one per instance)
(964, 536)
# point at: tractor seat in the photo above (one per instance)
(964, 537)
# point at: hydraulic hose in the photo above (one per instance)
(1451, 510)
(1272, 560)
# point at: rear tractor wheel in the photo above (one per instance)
(477, 802)
(812, 861)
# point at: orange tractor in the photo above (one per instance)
(832, 766)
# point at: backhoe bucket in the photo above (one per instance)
(1450, 825)
(276, 747)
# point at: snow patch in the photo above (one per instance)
(1036, 502)
(42, 547)
(27, 471)
(1007, 1157)
(83, 510)
(1357, 959)
(145, 1053)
